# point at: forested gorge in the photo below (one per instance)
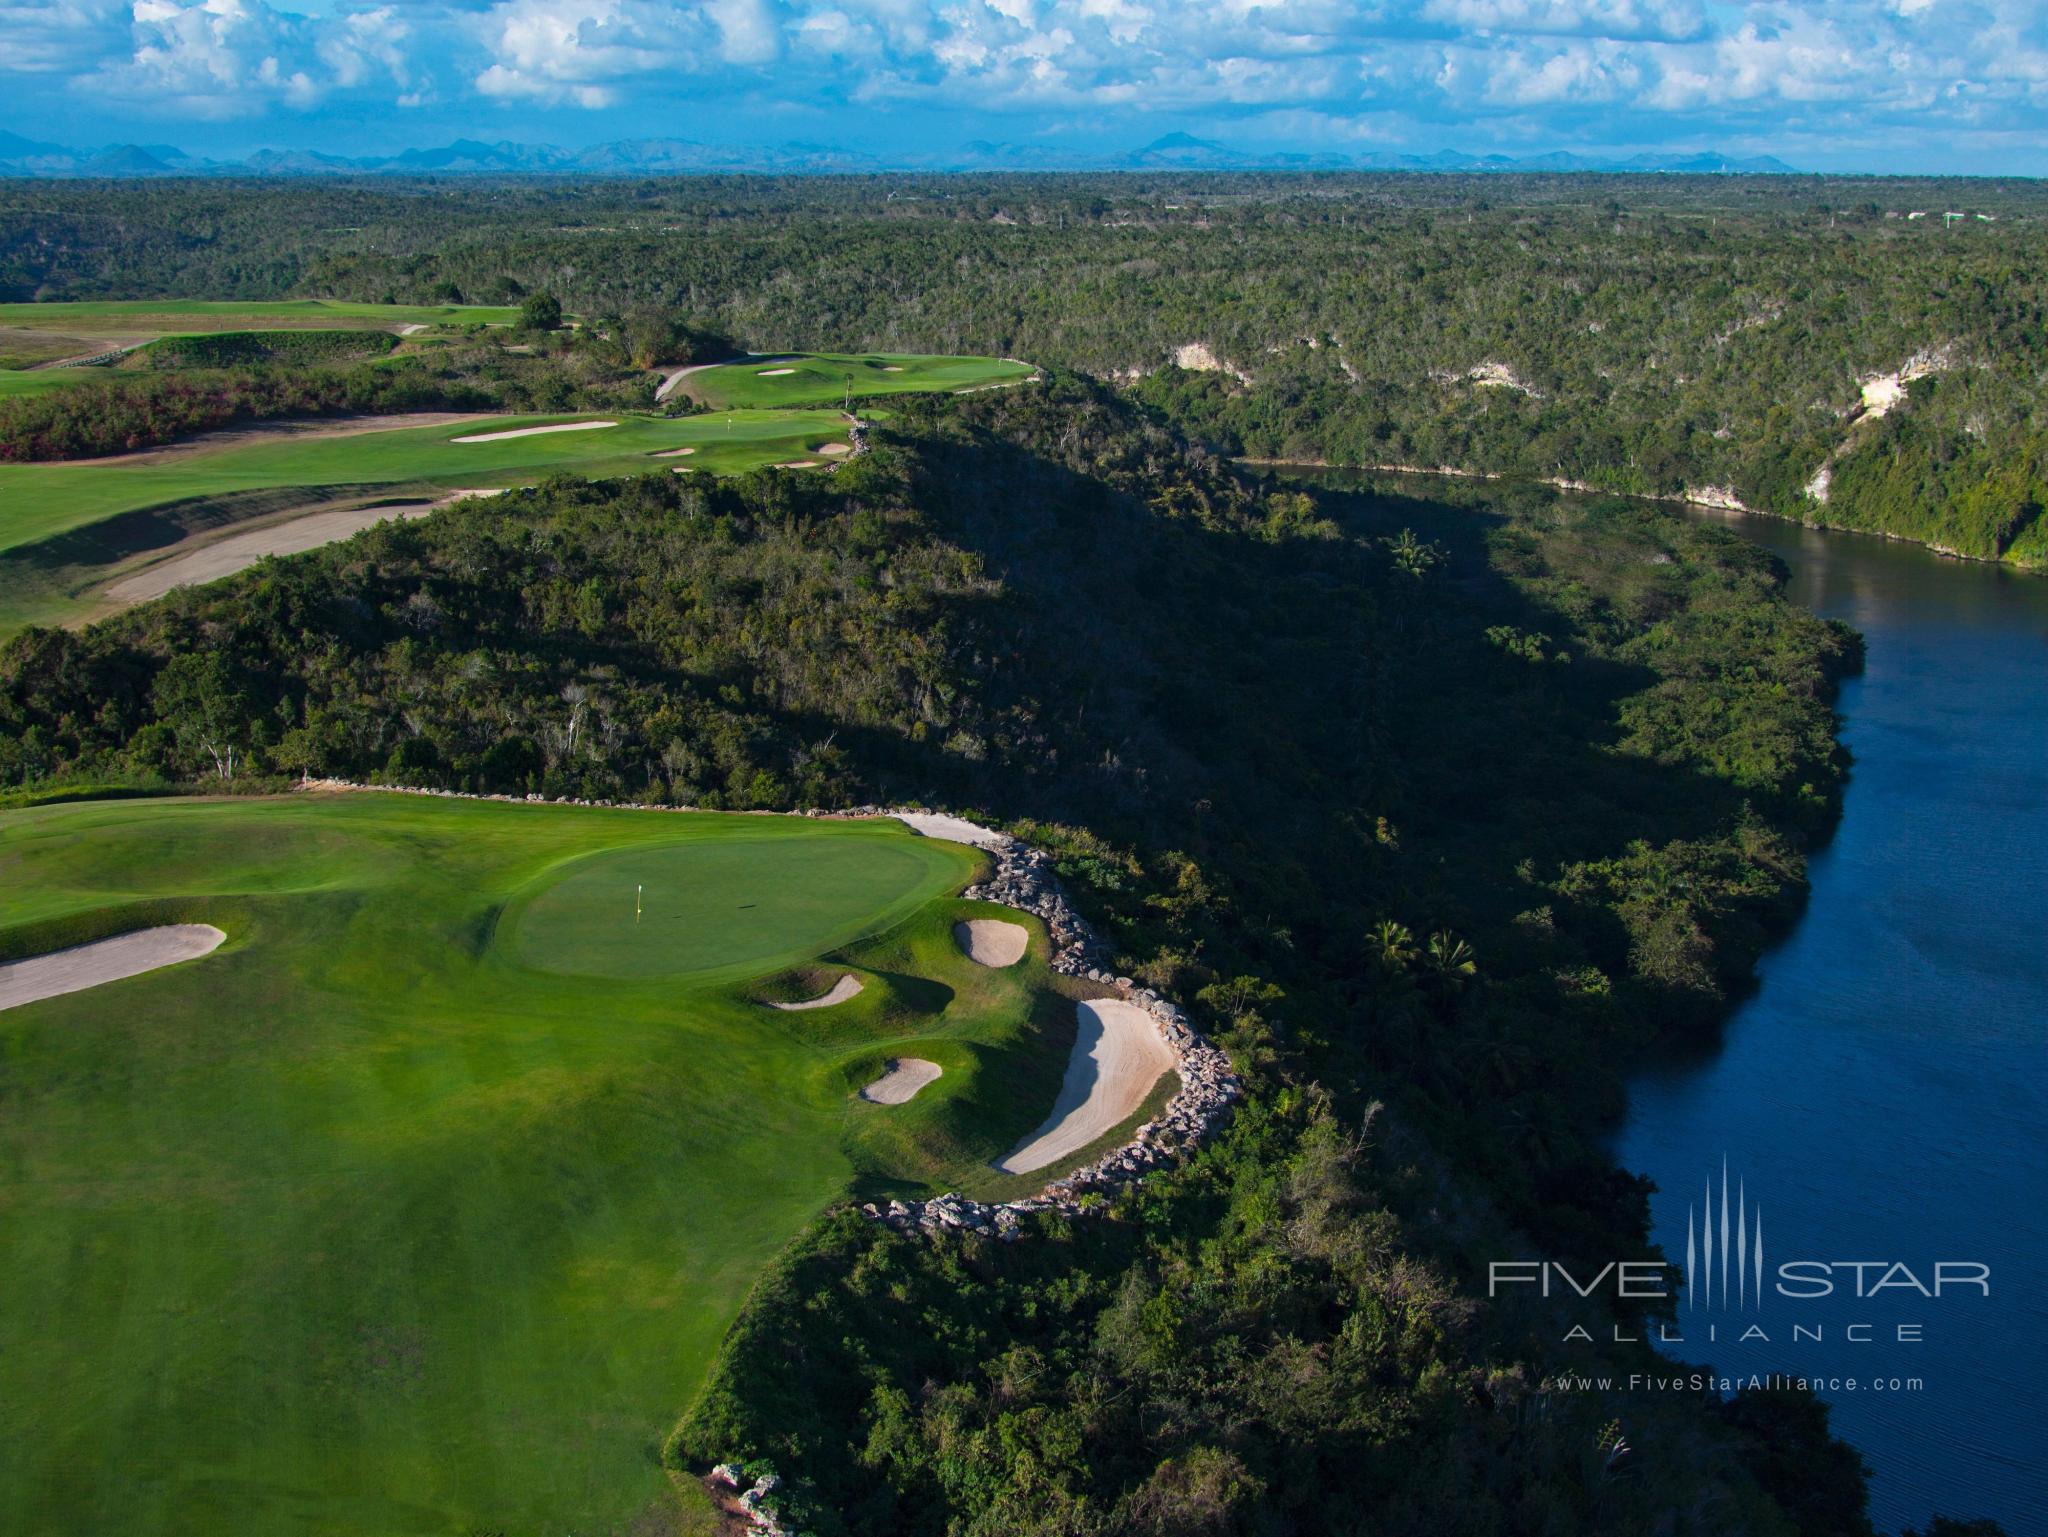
(1436, 810)
(1647, 335)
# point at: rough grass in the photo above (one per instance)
(364, 1224)
(821, 378)
(41, 501)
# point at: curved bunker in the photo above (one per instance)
(103, 961)
(1118, 1056)
(901, 1082)
(991, 941)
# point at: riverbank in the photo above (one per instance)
(1714, 498)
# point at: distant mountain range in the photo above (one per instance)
(642, 157)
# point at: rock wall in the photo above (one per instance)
(1023, 878)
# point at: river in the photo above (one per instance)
(1883, 1096)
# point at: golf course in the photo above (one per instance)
(33, 337)
(421, 1201)
(72, 529)
(826, 378)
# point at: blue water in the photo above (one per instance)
(1884, 1095)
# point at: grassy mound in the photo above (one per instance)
(240, 349)
(823, 378)
(367, 1222)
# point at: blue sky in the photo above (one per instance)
(1910, 85)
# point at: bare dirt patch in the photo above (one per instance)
(106, 960)
(846, 987)
(1118, 1056)
(905, 1076)
(992, 942)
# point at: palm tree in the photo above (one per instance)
(1392, 945)
(1450, 960)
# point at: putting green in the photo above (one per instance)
(362, 1224)
(720, 909)
(823, 378)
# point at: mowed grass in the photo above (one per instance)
(41, 501)
(822, 378)
(401, 1213)
(125, 317)
(33, 382)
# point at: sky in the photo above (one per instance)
(1901, 85)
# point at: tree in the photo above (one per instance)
(540, 311)
(200, 697)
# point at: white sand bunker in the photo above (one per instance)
(224, 557)
(936, 824)
(800, 464)
(892, 368)
(906, 1075)
(991, 941)
(770, 373)
(1118, 1056)
(532, 432)
(846, 987)
(106, 960)
(834, 450)
(674, 453)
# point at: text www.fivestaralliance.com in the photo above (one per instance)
(1701, 1382)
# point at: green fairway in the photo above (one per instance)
(24, 382)
(422, 1204)
(146, 316)
(822, 378)
(40, 501)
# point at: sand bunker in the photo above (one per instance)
(106, 960)
(532, 432)
(800, 464)
(936, 824)
(227, 556)
(834, 450)
(674, 453)
(846, 987)
(771, 373)
(892, 368)
(906, 1075)
(992, 942)
(1119, 1055)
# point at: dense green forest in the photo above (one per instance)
(1642, 334)
(1439, 811)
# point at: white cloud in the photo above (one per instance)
(1632, 70)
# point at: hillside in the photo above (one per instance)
(1654, 335)
(1438, 811)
